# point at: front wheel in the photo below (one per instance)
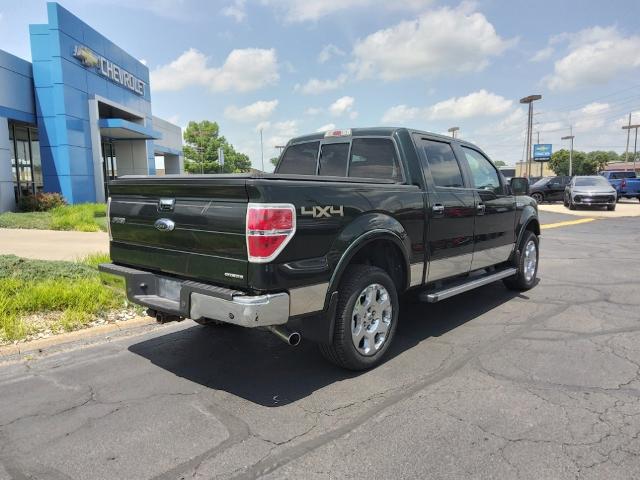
(527, 264)
(366, 319)
(611, 208)
(538, 197)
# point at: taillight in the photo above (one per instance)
(270, 227)
(623, 183)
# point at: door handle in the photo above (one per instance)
(438, 209)
(481, 208)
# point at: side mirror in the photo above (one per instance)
(519, 186)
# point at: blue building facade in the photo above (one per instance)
(78, 115)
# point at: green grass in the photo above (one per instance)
(75, 292)
(84, 217)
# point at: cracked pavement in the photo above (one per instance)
(490, 384)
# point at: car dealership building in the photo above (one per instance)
(78, 115)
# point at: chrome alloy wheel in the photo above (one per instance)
(371, 319)
(530, 260)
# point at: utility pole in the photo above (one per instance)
(570, 137)
(529, 100)
(453, 131)
(635, 143)
(261, 150)
(626, 151)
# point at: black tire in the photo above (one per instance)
(538, 197)
(519, 281)
(572, 206)
(611, 208)
(565, 202)
(342, 352)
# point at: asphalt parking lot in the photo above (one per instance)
(490, 384)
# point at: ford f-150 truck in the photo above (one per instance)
(627, 184)
(324, 248)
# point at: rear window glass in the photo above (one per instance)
(333, 159)
(300, 159)
(374, 158)
(443, 165)
(619, 175)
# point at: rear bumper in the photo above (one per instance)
(198, 300)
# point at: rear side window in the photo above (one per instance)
(443, 165)
(333, 159)
(374, 158)
(300, 159)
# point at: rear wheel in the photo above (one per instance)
(527, 264)
(366, 319)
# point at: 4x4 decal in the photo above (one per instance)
(318, 211)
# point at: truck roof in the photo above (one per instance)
(374, 132)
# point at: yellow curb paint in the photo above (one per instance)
(567, 223)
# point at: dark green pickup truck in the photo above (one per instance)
(324, 248)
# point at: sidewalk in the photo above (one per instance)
(52, 244)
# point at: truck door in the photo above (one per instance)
(450, 210)
(494, 233)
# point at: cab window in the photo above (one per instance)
(374, 158)
(443, 166)
(300, 159)
(333, 159)
(484, 174)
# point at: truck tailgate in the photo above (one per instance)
(207, 241)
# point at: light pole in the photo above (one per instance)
(529, 100)
(635, 143)
(453, 131)
(570, 137)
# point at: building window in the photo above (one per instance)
(26, 165)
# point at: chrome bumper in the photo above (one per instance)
(195, 300)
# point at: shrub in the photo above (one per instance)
(84, 217)
(41, 202)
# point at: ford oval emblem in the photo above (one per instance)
(164, 225)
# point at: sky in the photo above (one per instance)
(290, 67)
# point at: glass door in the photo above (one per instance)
(26, 165)
(109, 164)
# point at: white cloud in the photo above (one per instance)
(328, 126)
(317, 87)
(259, 110)
(236, 10)
(342, 106)
(243, 70)
(313, 111)
(438, 41)
(595, 56)
(476, 104)
(328, 52)
(279, 133)
(305, 10)
(542, 54)
(400, 115)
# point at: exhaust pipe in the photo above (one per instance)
(284, 334)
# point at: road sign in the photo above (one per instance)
(542, 152)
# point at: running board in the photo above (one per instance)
(433, 297)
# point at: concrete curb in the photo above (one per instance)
(39, 345)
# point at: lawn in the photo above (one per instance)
(47, 297)
(85, 217)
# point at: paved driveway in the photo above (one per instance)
(52, 244)
(490, 384)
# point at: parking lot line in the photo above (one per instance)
(567, 223)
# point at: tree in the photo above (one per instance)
(559, 163)
(499, 163)
(202, 141)
(274, 161)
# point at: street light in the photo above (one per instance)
(453, 131)
(570, 137)
(530, 99)
(635, 143)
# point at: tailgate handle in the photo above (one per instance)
(166, 204)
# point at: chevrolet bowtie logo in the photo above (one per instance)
(86, 56)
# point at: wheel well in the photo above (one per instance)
(533, 226)
(386, 255)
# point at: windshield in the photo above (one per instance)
(591, 182)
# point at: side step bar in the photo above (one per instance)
(433, 297)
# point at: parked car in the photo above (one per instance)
(590, 190)
(323, 248)
(627, 184)
(549, 189)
